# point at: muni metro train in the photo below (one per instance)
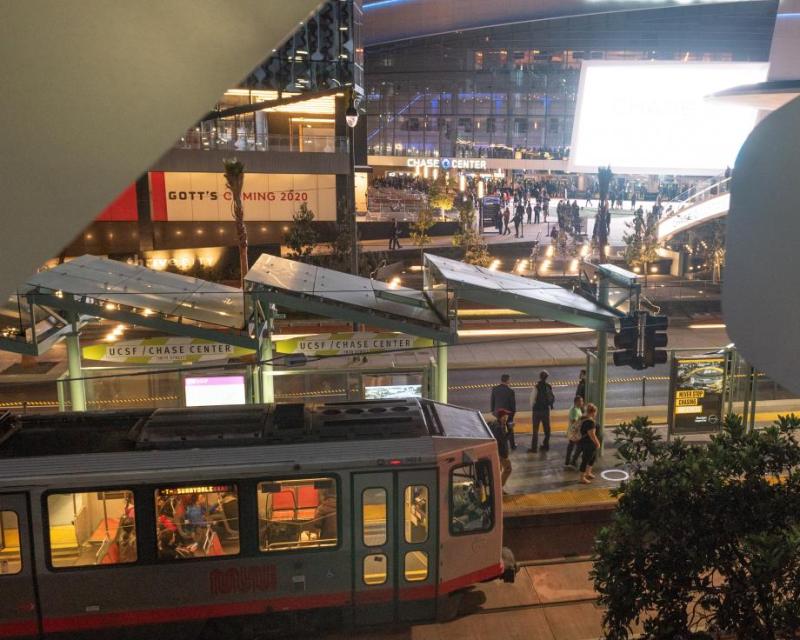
(219, 522)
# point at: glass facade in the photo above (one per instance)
(510, 91)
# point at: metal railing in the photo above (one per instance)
(262, 142)
(717, 189)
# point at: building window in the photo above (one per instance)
(197, 522)
(373, 517)
(520, 126)
(300, 513)
(10, 558)
(91, 528)
(415, 566)
(416, 514)
(471, 498)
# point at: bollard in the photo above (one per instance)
(644, 390)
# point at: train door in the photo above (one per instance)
(18, 611)
(416, 543)
(374, 585)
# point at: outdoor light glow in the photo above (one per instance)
(550, 251)
(109, 306)
(495, 265)
(574, 264)
(653, 269)
(480, 189)
(707, 326)
(462, 182)
(546, 331)
(667, 125)
(636, 269)
(394, 283)
(585, 250)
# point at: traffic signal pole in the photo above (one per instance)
(602, 361)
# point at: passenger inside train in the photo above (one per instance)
(298, 513)
(197, 522)
(473, 504)
(89, 528)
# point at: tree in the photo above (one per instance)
(603, 220)
(641, 243)
(301, 237)
(420, 227)
(467, 237)
(234, 180)
(705, 538)
(440, 196)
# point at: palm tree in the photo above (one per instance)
(234, 180)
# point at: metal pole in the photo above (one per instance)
(441, 363)
(602, 364)
(265, 359)
(644, 390)
(77, 391)
(754, 393)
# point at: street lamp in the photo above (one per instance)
(351, 118)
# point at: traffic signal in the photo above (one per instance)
(655, 339)
(627, 339)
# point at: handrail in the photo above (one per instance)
(204, 140)
(720, 188)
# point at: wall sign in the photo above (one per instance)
(336, 344)
(163, 350)
(446, 163)
(697, 386)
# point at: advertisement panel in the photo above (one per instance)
(349, 343)
(214, 391)
(697, 386)
(196, 197)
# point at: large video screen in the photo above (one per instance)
(214, 390)
(654, 117)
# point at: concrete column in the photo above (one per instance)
(441, 371)
(602, 363)
(77, 391)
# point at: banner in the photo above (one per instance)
(338, 344)
(697, 386)
(195, 197)
(163, 351)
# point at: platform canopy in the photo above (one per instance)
(334, 294)
(505, 290)
(91, 286)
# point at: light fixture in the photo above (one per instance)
(351, 116)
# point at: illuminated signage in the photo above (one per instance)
(697, 386)
(334, 344)
(163, 350)
(446, 163)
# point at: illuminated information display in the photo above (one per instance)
(697, 387)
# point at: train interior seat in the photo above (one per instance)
(307, 502)
(284, 505)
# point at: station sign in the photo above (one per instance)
(446, 163)
(697, 388)
(350, 343)
(170, 350)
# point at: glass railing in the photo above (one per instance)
(717, 189)
(203, 141)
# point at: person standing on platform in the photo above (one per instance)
(503, 397)
(542, 401)
(394, 242)
(506, 220)
(574, 432)
(537, 211)
(518, 221)
(529, 211)
(589, 443)
(581, 390)
(576, 217)
(499, 429)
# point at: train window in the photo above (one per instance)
(91, 528)
(471, 499)
(416, 566)
(300, 513)
(10, 558)
(375, 569)
(373, 516)
(416, 514)
(197, 522)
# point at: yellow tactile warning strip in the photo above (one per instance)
(529, 503)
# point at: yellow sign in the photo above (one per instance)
(690, 393)
(685, 410)
(337, 344)
(164, 350)
(686, 402)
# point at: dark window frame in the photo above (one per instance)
(484, 461)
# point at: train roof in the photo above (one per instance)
(287, 436)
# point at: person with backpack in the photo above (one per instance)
(504, 398)
(542, 401)
(499, 429)
(574, 432)
(589, 443)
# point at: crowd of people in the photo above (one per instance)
(582, 430)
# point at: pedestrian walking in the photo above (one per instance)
(574, 432)
(581, 390)
(589, 444)
(394, 242)
(537, 211)
(518, 222)
(506, 220)
(542, 401)
(503, 397)
(529, 211)
(499, 429)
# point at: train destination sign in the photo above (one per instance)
(697, 386)
(164, 351)
(349, 343)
